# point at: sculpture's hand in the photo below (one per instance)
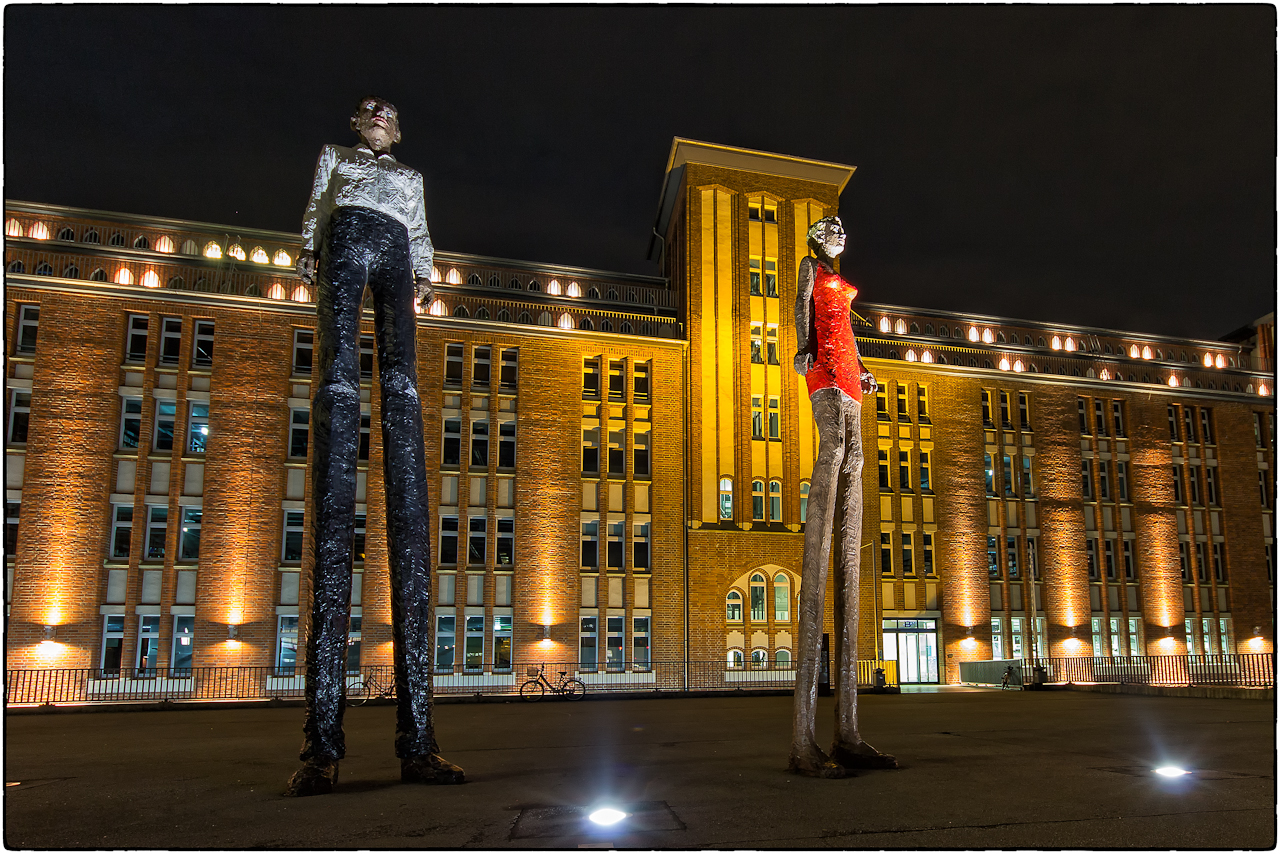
(425, 291)
(869, 384)
(803, 362)
(306, 267)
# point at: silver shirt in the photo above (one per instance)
(355, 176)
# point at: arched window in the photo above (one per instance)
(757, 598)
(545, 319)
(474, 280)
(733, 607)
(926, 357)
(586, 324)
(958, 333)
(943, 332)
(775, 501)
(534, 286)
(141, 242)
(942, 359)
(514, 284)
(124, 276)
(759, 659)
(565, 321)
(781, 598)
(461, 311)
(1042, 341)
(98, 275)
(928, 329)
(804, 501)
(524, 318)
(986, 363)
(734, 659)
(726, 498)
(999, 337)
(12, 228)
(573, 290)
(276, 291)
(1106, 348)
(504, 316)
(988, 337)
(202, 284)
(884, 325)
(915, 328)
(44, 268)
(164, 244)
(482, 313)
(189, 247)
(782, 659)
(592, 293)
(117, 239)
(176, 283)
(900, 327)
(649, 297)
(612, 295)
(301, 294)
(646, 328)
(893, 354)
(553, 288)
(17, 267)
(1026, 339)
(90, 236)
(757, 500)
(1160, 355)
(67, 234)
(72, 272)
(606, 326)
(625, 328)
(252, 290)
(212, 250)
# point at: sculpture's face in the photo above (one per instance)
(831, 238)
(378, 124)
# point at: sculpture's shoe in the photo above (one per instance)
(315, 777)
(816, 765)
(430, 770)
(860, 755)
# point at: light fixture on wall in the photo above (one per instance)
(49, 632)
(546, 632)
(232, 631)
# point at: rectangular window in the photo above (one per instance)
(884, 471)
(590, 544)
(477, 540)
(991, 475)
(136, 339)
(640, 374)
(12, 510)
(303, 341)
(506, 542)
(1193, 639)
(170, 340)
(617, 438)
(757, 344)
(1194, 483)
(502, 642)
(775, 419)
(1184, 560)
(986, 409)
(882, 404)
(28, 328)
(1104, 480)
(904, 471)
(904, 414)
(1086, 479)
(770, 277)
(886, 554)
(640, 643)
(587, 644)
(922, 404)
(1109, 558)
(1135, 636)
(775, 501)
(924, 472)
(299, 432)
(640, 546)
(591, 378)
(1008, 477)
(1005, 421)
(473, 652)
(615, 545)
(449, 540)
(112, 645)
(908, 555)
(1206, 425)
(1082, 414)
(479, 444)
(480, 364)
(1264, 492)
(997, 640)
(1099, 418)
(1091, 555)
(804, 502)
(354, 637)
(927, 543)
(1128, 561)
(166, 412)
(157, 531)
(1173, 424)
(1219, 564)
(189, 534)
(19, 417)
(1117, 418)
(362, 453)
(1202, 563)
(506, 444)
(291, 547)
(1122, 480)
(1259, 429)
(1269, 552)
(130, 421)
(993, 557)
(286, 646)
(753, 273)
(1189, 424)
(1211, 484)
(121, 530)
(202, 345)
(445, 639)
(1177, 484)
(757, 417)
(451, 449)
(616, 389)
(198, 428)
(509, 370)
(771, 342)
(148, 654)
(366, 357)
(1011, 557)
(1028, 489)
(781, 600)
(591, 450)
(183, 648)
(640, 451)
(452, 365)
(613, 651)
(1024, 412)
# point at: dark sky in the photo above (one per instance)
(1103, 165)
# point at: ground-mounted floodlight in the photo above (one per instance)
(1172, 771)
(606, 816)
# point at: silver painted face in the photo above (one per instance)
(833, 239)
(378, 124)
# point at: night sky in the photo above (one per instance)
(1109, 166)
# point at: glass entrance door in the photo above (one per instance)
(914, 645)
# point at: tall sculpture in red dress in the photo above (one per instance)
(827, 356)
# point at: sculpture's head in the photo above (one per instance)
(377, 122)
(826, 237)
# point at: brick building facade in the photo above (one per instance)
(618, 464)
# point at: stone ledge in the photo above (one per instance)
(1209, 692)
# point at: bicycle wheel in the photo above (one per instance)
(574, 689)
(359, 693)
(532, 691)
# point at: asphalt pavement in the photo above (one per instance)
(980, 769)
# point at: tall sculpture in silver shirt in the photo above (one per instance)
(367, 221)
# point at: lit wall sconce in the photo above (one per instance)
(232, 631)
(546, 632)
(969, 642)
(49, 632)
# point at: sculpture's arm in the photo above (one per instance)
(804, 316)
(316, 216)
(420, 247)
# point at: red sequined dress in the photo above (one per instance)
(836, 363)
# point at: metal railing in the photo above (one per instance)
(39, 687)
(1246, 670)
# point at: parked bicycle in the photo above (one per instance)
(369, 688)
(537, 686)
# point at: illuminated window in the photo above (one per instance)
(124, 276)
(38, 231)
(12, 228)
(1070, 345)
(301, 294)
(911, 356)
(198, 428)
(988, 337)
(899, 327)
(993, 558)
(1057, 343)
(236, 251)
(573, 290)
(189, 534)
(884, 325)
(276, 291)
